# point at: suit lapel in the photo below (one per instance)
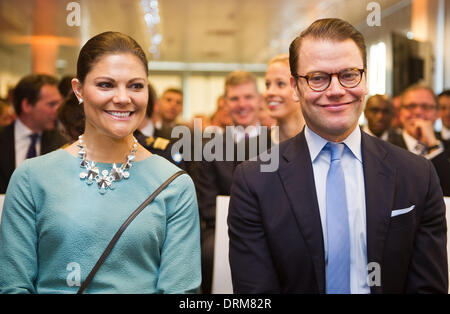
(297, 176)
(379, 180)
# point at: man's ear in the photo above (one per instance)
(26, 106)
(76, 87)
(295, 93)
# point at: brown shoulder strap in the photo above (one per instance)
(123, 227)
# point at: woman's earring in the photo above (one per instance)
(80, 101)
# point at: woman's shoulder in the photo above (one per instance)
(162, 169)
(45, 162)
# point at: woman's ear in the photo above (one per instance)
(76, 87)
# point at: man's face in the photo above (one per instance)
(43, 113)
(170, 106)
(417, 104)
(444, 110)
(244, 103)
(379, 114)
(333, 113)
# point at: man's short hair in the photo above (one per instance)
(419, 86)
(238, 78)
(327, 29)
(380, 98)
(173, 90)
(29, 88)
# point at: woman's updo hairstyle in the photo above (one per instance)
(105, 44)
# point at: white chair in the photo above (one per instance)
(447, 204)
(2, 199)
(221, 277)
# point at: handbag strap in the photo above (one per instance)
(122, 229)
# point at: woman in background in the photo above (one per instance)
(62, 209)
(278, 97)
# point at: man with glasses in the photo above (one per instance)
(345, 212)
(419, 111)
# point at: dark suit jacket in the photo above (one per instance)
(163, 151)
(51, 140)
(440, 162)
(213, 178)
(276, 241)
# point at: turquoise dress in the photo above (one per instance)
(54, 228)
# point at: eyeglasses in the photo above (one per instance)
(320, 81)
(424, 107)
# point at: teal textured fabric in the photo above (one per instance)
(55, 227)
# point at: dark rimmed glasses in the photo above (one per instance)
(320, 81)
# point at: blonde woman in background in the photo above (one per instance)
(278, 97)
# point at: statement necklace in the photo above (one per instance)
(106, 179)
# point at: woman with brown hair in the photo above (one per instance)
(62, 209)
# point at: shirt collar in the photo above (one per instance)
(445, 133)
(316, 143)
(148, 129)
(410, 141)
(250, 131)
(21, 130)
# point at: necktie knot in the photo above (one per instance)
(34, 138)
(421, 149)
(337, 149)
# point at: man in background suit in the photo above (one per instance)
(214, 178)
(170, 106)
(36, 100)
(371, 219)
(418, 113)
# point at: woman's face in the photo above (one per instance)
(114, 94)
(278, 95)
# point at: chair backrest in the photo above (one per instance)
(221, 277)
(447, 205)
(2, 199)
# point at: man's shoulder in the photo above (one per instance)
(7, 130)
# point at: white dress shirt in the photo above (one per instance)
(149, 129)
(445, 133)
(413, 146)
(22, 141)
(239, 132)
(355, 192)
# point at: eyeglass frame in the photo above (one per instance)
(330, 76)
(423, 107)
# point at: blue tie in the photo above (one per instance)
(32, 148)
(338, 269)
